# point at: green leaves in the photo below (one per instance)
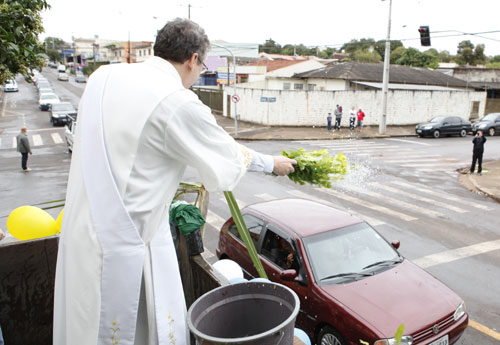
(399, 333)
(317, 167)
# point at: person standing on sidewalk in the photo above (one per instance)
(352, 119)
(23, 146)
(361, 118)
(329, 122)
(338, 117)
(477, 152)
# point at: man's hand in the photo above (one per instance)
(2, 235)
(283, 165)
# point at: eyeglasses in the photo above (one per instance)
(204, 69)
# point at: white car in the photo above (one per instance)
(80, 78)
(70, 134)
(63, 76)
(46, 99)
(10, 86)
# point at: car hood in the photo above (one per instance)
(404, 294)
(426, 124)
(49, 101)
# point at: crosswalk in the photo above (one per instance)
(36, 140)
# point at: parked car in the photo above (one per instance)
(62, 76)
(45, 90)
(61, 68)
(46, 99)
(444, 125)
(80, 78)
(354, 287)
(488, 124)
(60, 113)
(10, 86)
(69, 133)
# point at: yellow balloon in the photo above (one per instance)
(29, 222)
(59, 221)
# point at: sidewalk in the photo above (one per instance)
(487, 184)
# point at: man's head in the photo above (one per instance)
(184, 44)
(479, 133)
(23, 130)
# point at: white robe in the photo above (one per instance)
(153, 129)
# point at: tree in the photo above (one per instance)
(270, 47)
(465, 53)
(397, 53)
(415, 58)
(354, 44)
(20, 25)
(494, 59)
(380, 46)
(53, 55)
(444, 56)
(327, 53)
(54, 43)
(366, 56)
(479, 57)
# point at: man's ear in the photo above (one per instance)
(193, 60)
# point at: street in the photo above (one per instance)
(406, 188)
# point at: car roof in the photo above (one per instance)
(304, 217)
(63, 103)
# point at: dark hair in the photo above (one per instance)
(179, 39)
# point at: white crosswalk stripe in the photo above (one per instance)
(419, 198)
(215, 220)
(14, 142)
(425, 165)
(56, 137)
(265, 196)
(421, 160)
(400, 203)
(442, 195)
(37, 140)
(367, 204)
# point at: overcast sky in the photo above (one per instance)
(311, 22)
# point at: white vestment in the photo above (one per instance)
(115, 230)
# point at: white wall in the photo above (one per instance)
(301, 108)
(300, 67)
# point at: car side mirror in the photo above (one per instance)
(289, 275)
(396, 244)
(445, 123)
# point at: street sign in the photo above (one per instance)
(272, 99)
(263, 99)
(235, 98)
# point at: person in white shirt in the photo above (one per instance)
(352, 119)
(117, 278)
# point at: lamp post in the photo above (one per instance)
(234, 86)
(385, 78)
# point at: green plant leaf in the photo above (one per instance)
(399, 333)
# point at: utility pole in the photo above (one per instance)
(129, 55)
(385, 87)
(189, 11)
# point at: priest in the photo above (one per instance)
(139, 127)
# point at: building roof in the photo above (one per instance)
(373, 72)
(281, 57)
(485, 85)
(275, 64)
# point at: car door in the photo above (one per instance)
(497, 124)
(447, 126)
(275, 268)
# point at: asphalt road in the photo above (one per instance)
(407, 188)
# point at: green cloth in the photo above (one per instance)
(187, 217)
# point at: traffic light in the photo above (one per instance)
(425, 36)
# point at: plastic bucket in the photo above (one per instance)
(250, 313)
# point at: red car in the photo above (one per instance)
(354, 287)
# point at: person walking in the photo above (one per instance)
(117, 275)
(477, 152)
(361, 118)
(329, 122)
(338, 117)
(352, 119)
(23, 146)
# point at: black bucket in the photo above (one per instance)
(250, 313)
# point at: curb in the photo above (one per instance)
(483, 190)
(312, 139)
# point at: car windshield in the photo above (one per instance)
(48, 96)
(352, 251)
(62, 107)
(489, 117)
(10, 82)
(437, 119)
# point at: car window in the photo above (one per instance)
(279, 250)
(62, 107)
(254, 225)
(455, 120)
(49, 97)
(489, 117)
(346, 250)
(438, 119)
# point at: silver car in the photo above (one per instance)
(62, 76)
(69, 133)
(10, 86)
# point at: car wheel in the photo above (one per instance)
(329, 336)
(436, 134)
(463, 133)
(491, 131)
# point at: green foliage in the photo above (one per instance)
(54, 43)
(396, 54)
(366, 56)
(53, 55)
(399, 333)
(270, 47)
(317, 167)
(493, 65)
(494, 59)
(380, 46)
(20, 25)
(467, 54)
(354, 44)
(327, 53)
(415, 58)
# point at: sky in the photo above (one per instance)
(312, 22)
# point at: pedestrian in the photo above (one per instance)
(329, 122)
(338, 117)
(23, 146)
(352, 119)
(361, 118)
(477, 152)
(117, 275)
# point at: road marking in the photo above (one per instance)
(417, 197)
(4, 104)
(441, 195)
(411, 165)
(411, 141)
(34, 130)
(265, 196)
(215, 220)
(14, 142)
(423, 160)
(457, 254)
(484, 329)
(401, 203)
(367, 204)
(57, 138)
(37, 140)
